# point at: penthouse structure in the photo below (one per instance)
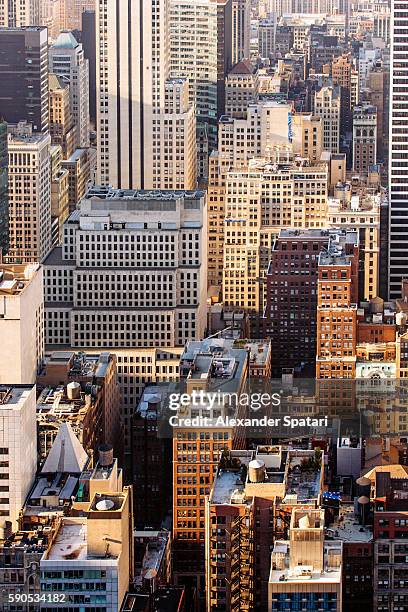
(306, 570)
(131, 273)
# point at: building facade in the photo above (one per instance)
(151, 249)
(133, 65)
(29, 192)
(24, 76)
(18, 452)
(398, 166)
(68, 62)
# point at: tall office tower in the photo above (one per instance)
(59, 194)
(306, 570)
(19, 13)
(337, 297)
(131, 273)
(29, 191)
(398, 162)
(341, 74)
(193, 55)
(63, 130)
(362, 213)
(254, 213)
(241, 30)
(266, 36)
(21, 323)
(132, 68)
(67, 61)
(197, 451)
(364, 138)
(88, 29)
(224, 50)
(4, 215)
(327, 105)
(18, 452)
(264, 132)
(24, 76)
(291, 297)
(101, 542)
(382, 22)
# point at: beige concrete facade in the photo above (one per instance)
(21, 323)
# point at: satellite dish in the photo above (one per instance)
(105, 504)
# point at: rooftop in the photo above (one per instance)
(215, 361)
(260, 350)
(154, 554)
(228, 487)
(65, 40)
(303, 476)
(70, 543)
(307, 574)
(13, 397)
(109, 193)
(15, 278)
(152, 400)
(347, 527)
(339, 249)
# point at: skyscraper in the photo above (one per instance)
(398, 158)
(135, 147)
(24, 76)
(241, 26)
(67, 60)
(19, 13)
(131, 273)
(89, 44)
(29, 195)
(3, 189)
(193, 55)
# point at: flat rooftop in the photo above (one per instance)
(109, 193)
(302, 480)
(13, 397)
(70, 543)
(260, 350)
(228, 481)
(347, 528)
(306, 574)
(15, 278)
